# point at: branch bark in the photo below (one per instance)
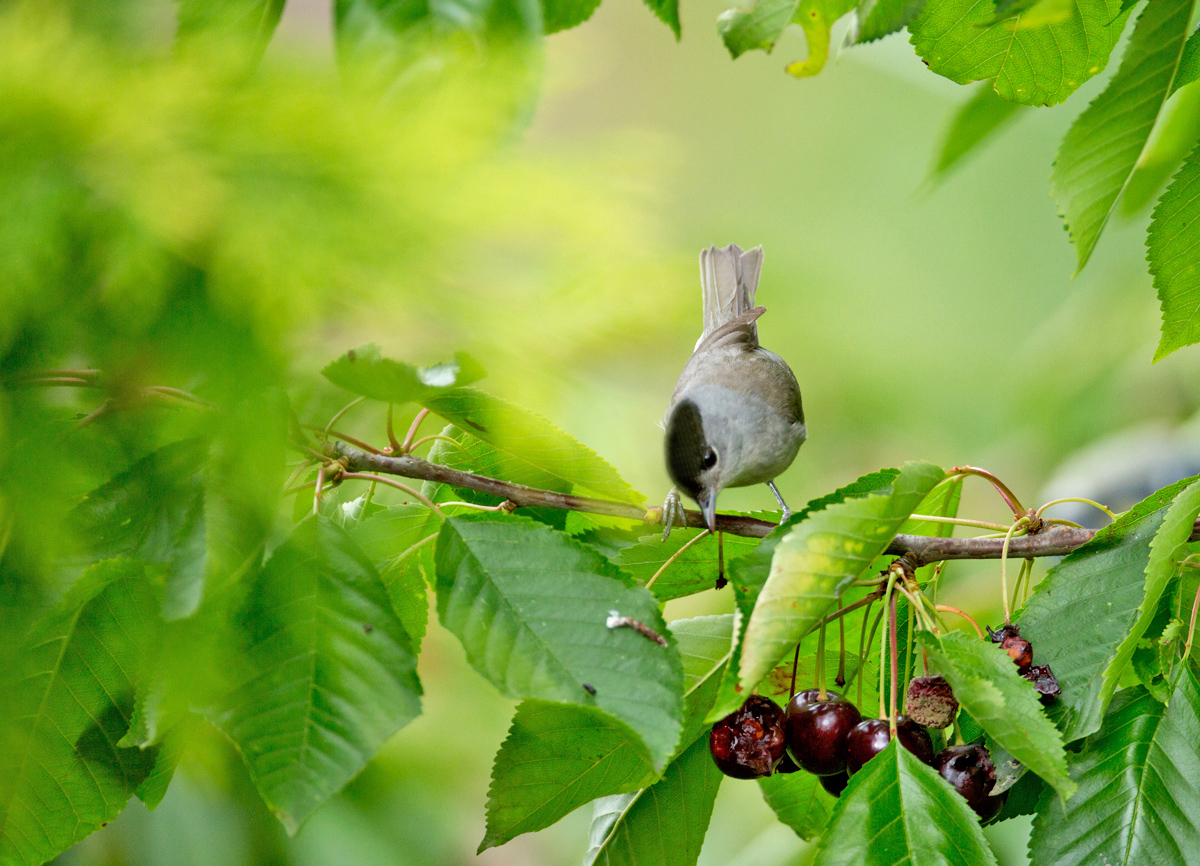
(918, 549)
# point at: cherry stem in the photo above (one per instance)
(894, 659)
(720, 559)
(1103, 508)
(337, 417)
(317, 490)
(1007, 495)
(841, 674)
(945, 608)
(357, 443)
(795, 664)
(958, 521)
(862, 651)
(883, 637)
(821, 663)
(1026, 575)
(407, 445)
(674, 556)
(391, 433)
(425, 500)
(1017, 524)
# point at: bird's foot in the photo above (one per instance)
(673, 514)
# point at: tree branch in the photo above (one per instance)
(918, 549)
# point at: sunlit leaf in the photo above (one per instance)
(1004, 703)
(1080, 614)
(62, 776)
(663, 825)
(1174, 138)
(695, 570)
(898, 810)
(818, 558)
(563, 14)
(530, 606)
(1189, 63)
(1172, 243)
(400, 541)
(977, 120)
(705, 649)
(531, 438)
(748, 574)
(1033, 66)
(329, 675)
(798, 801)
(879, 18)
(558, 757)
(1098, 155)
(1139, 798)
(364, 371)
(667, 12)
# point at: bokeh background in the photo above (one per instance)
(925, 319)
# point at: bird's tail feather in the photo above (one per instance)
(729, 279)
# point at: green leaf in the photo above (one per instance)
(1189, 63)
(1004, 703)
(400, 541)
(1080, 614)
(154, 512)
(748, 574)
(364, 371)
(758, 27)
(1171, 243)
(663, 825)
(879, 18)
(564, 14)
(1100, 151)
(1138, 799)
(62, 776)
(694, 571)
(1040, 65)
(799, 801)
(558, 757)
(329, 675)
(667, 12)
(532, 439)
(530, 606)
(705, 649)
(975, 121)
(817, 559)
(1174, 138)
(897, 810)
(225, 23)
(1167, 548)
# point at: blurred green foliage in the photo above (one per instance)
(188, 235)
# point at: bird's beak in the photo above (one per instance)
(708, 507)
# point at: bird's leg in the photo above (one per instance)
(672, 512)
(787, 512)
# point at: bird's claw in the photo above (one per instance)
(673, 513)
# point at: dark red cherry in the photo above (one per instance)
(871, 736)
(835, 784)
(1019, 650)
(816, 732)
(970, 771)
(1043, 680)
(749, 742)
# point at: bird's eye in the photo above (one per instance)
(710, 458)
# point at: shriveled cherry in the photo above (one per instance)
(749, 742)
(870, 737)
(930, 702)
(970, 771)
(1043, 680)
(816, 732)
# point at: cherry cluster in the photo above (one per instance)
(824, 734)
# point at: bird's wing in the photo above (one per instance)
(739, 332)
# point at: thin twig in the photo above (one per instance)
(416, 494)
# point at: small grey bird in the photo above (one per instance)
(735, 417)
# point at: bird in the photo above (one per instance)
(735, 417)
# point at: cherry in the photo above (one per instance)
(970, 771)
(816, 732)
(1010, 640)
(930, 702)
(1043, 680)
(870, 737)
(835, 784)
(748, 742)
